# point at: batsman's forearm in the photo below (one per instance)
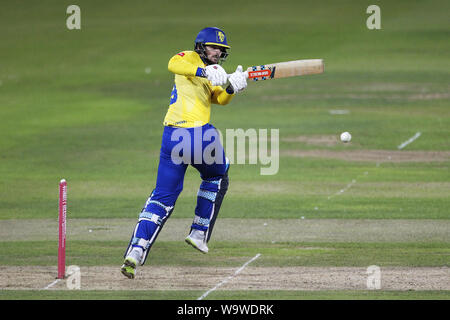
(221, 96)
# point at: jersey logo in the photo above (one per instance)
(181, 54)
(220, 36)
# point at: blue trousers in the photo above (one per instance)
(180, 147)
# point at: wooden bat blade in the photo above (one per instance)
(286, 69)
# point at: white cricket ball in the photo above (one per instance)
(346, 136)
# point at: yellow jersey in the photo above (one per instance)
(192, 94)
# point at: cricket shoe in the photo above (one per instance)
(131, 261)
(197, 239)
(129, 267)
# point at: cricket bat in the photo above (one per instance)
(285, 69)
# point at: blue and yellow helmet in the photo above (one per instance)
(212, 36)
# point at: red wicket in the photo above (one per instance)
(62, 229)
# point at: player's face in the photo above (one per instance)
(213, 53)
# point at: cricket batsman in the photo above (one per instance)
(199, 82)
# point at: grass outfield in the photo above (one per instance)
(229, 254)
(224, 295)
(87, 105)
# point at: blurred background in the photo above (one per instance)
(87, 105)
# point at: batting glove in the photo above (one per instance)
(238, 80)
(216, 74)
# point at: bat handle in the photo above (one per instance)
(245, 72)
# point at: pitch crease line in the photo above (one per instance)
(51, 284)
(410, 140)
(229, 278)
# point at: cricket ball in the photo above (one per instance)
(346, 136)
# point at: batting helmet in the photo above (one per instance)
(211, 36)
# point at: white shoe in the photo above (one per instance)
(131, 262)
(197, 239)
(129, 268)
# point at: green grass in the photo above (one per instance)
(332, 295)
(79, 105)
(392, 191)
(222, 295)
(134, 295)
(233, 254)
